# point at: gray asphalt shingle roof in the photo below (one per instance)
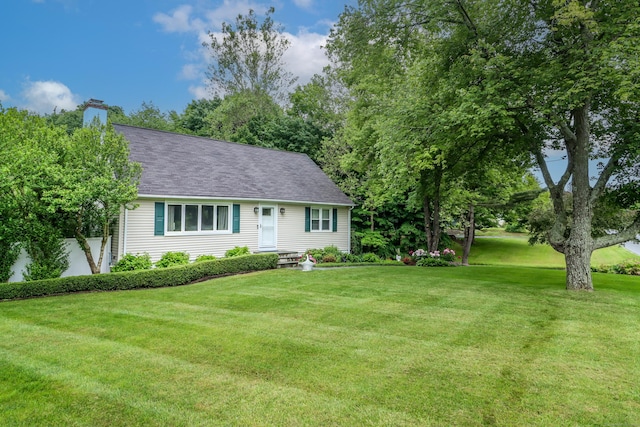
(189, 166)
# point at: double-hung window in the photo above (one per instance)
(320, 219)
(197, 218)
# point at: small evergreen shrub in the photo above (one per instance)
(352, 258)
(370, 257)
(237, 251)
(329, 258)
(171, 259)
(433, 262)
(201, 258)
(130, 262)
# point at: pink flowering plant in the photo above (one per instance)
(433, 258)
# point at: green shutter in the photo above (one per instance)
(236, 218)
(307, 219)
(159, 219)
(335, 219)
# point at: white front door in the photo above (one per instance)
(267, 228)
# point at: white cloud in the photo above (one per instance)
(4, 96)
(305, 56)
(45, 96)
(199, 92)
(303, 4)
(179, 21)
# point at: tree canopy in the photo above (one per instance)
(438, 83)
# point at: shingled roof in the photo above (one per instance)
(177, 165)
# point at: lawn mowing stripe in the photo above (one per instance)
(53, 367)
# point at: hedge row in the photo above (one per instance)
(156, 278)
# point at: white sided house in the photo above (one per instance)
(205, 196)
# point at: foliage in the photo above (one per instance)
(370, 257)
(95, 180)
(329, 258)
(194, 118)
(248, 57)
(47, 251)
(237, 251)
(203, 257)
(130, 262)
(155, 278)
(149, 116)
(631, 267)
(438, 85)
(433, 262)
(31, 149)
(170, 259)
(10, 253)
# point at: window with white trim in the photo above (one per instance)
(320, 219)
(194, 218)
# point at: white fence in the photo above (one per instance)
(77, 260)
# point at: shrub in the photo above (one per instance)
(130, 262)
(329, 258)
(409, 260)
(627, 267)
(156, 278)
(171, 259)
(432, 262)
(201, 258)
(370, 257)
(237, 251)
(48, 253)
(352, 258)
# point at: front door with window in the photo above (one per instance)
(267, 228)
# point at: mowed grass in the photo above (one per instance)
(516, 250)
(354, 346)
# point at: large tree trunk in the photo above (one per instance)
(578, 260)
(579, 246)
(469, 234)
(431, 207)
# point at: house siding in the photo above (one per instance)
(140, 236)
(292, 235)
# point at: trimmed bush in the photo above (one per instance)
(171, 259)
(201, 258)
(433, 262)
(130, 262)
(329, 258)
(370, 257)
(237, 251)
(156, 278)
(627, 267)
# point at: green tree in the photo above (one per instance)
(96, 181)
(194, 118)
(31, 149)
(147, 116)
(249, 57)
(524, 75)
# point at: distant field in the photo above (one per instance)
(515, 250)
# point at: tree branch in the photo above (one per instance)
(629, 233)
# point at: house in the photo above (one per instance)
(205, 196)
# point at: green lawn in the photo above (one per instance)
(352, 346)
(515, 250)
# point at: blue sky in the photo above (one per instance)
(59, 53)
